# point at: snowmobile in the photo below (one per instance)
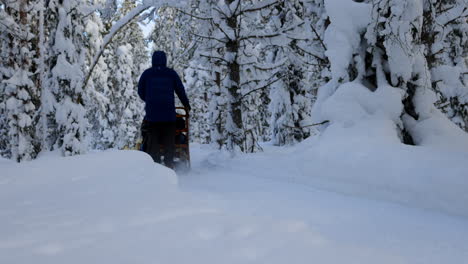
(182, 146)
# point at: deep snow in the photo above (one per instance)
(119, 207)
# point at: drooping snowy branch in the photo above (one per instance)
(120, 24)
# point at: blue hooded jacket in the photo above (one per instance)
(157, 86)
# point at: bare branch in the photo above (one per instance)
(214, 57)
(261, 88)
(319, 38)
(207, 37)
(317, 124)
(258, 8)
(324, 60)
(222, 30)
(260, 36)
(192, 15)
(272, 35)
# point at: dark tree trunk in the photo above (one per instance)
(232, 46)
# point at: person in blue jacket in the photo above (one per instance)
(156, 88)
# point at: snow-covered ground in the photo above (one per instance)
(285, 205)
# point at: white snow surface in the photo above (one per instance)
(280, 206)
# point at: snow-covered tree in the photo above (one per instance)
(171, 35)
(232, 49)
(19, 80)
(67, 60)
(445, 33)
(4, 57)
(302, 61)
(197, 83)
(130, 107)
(99, 87)
(377, 51)
(118, 117)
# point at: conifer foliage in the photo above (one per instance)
(46, 47)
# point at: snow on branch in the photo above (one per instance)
(259, 35)
(260, 6)
(192, 15)
(301, 127)
(7, 24)
(262, 87)
(272, 66)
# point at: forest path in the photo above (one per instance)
(342, 227)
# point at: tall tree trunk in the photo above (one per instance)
(236, 135)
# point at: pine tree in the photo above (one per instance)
(130, 110)
(21, 95)
(98, 89)
(445, 34)
(302, 62)
(66, 62)
(398, 56)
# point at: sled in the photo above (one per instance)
(182, 142)
(182, 147)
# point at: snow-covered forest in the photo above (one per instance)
(255, 71)
(322, 131)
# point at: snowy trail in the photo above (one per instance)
(362, 229)
(119, 207)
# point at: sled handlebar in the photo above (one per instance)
(183, 108)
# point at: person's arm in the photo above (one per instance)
(180, 91)
(141, 87)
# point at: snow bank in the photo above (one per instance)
(64, 210)
(361, 153)
(433, 129)
(89, 174)
(355, 107)
(343, 160)
(364, 161)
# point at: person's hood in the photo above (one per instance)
(159, 59)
